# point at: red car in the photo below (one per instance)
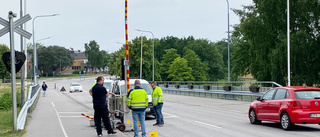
(288, 106)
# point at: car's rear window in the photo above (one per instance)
(107, 85)
(307, 94)
(146, 87)
(75, 84)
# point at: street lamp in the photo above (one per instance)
(141, 58)
(43, 39)
(35, 49)
(228, 45)
(152, 51)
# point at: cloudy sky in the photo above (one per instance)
(81, 21)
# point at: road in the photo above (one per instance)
(184, 116)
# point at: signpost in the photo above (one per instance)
(11, 27)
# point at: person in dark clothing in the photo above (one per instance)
(44, 88)
(99, 95)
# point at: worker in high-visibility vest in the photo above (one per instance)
(138, 102)
(157, 101)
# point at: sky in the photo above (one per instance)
(81, 21)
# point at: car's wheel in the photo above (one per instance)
(253, 117)
(286, 123)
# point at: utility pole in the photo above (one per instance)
(23, 68)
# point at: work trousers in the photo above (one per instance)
(102, 113)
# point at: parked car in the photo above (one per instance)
(108, 84)
(119, 89)
(287, 106)
(75, 87)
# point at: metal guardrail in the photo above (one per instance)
(33, 95)
(218, 85)
(239, 90)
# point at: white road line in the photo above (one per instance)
(71, 116)
(71, 112)
(207, 124)
(63, 130)
(169, 115)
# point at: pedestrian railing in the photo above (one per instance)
(32, 97)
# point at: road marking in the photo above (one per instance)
(72, 116)
(63, 130)
(207, 124)
(70, 112)
(169, 115)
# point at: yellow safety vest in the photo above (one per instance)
(138, 98)
(157, 96)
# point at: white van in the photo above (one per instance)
(119, 88)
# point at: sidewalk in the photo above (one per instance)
(56, 115)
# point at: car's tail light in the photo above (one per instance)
(296, 104)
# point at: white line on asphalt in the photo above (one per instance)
(63, 130)
(71, 116)
(71, 112)
(169, 115)
(207, 124)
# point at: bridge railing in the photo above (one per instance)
(237, 90)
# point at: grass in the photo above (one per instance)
(6, 122)
(6, 125)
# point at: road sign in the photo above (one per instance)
(19, 60)
(16, 25)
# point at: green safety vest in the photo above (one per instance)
(157, 96)
(93, 85)
(138, 98)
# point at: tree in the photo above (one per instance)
(104, 59)
(210, 55)
(199, 69)
(180, 71)
(49, 58)
(168, 58)
(134, 59)
(91, 51)
(262, 33)
(3, 69)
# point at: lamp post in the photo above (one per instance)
(228, 45)
(43, 39)
(141, 58)
(152, 51)
(35, 49)
(288, 40)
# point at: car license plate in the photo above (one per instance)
(314, 115)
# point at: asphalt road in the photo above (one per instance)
(59, 114)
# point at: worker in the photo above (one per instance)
(138, 102)
(90, 91)
(157, 101)
(99, 95)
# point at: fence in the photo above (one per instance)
(32, 97)
(237, 90)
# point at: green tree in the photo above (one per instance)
(134, 59)
(168, 58)
(91, 51)
(49, 58)
(262, 33)
(199, 69)
(180, 71)
(210, 55)
(3, 69)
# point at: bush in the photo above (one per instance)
(6, 101)
(254, 85)
(77, 72)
